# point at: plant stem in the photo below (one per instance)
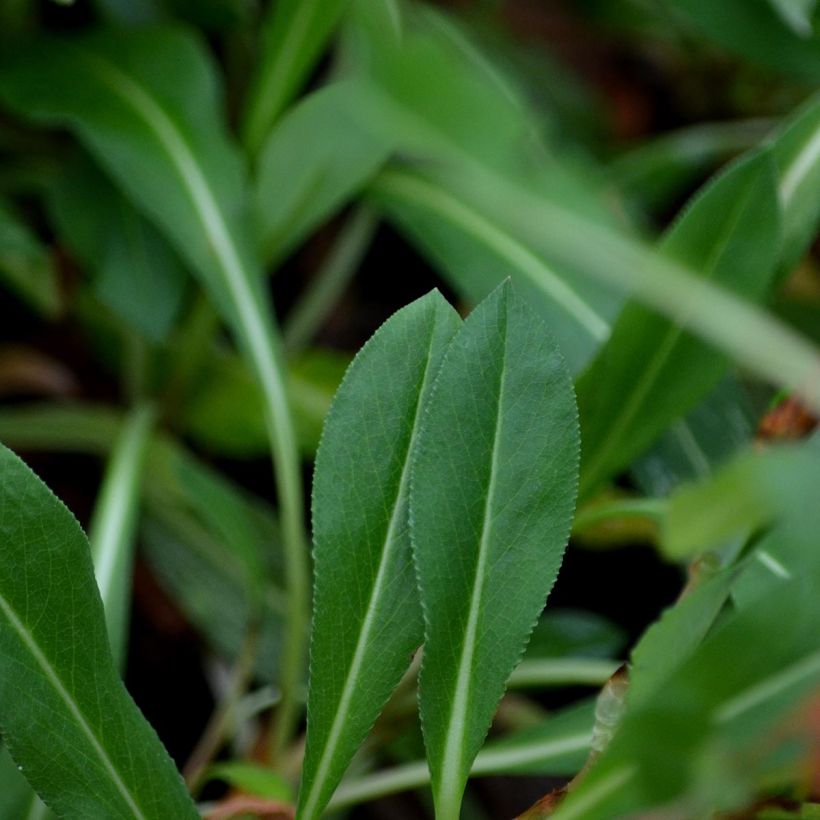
(113, 523)
(225, 713)
(594, 514)
(333, 277)
(562, 672)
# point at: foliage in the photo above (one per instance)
(614, 322)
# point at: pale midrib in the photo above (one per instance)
(369, 622)
(52, 677)
(673, 333)
(485, 232)
(489, 761)
(769, 688)
(209, 214)
(452, 758)
(797, 170)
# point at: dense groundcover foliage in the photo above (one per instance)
(338, 336)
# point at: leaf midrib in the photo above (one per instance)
(53, 678)
(368, 623)
(453, 756)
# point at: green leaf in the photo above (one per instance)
(25, 265)
(493, 491)
(797, 14)
(226, 412)
(757, 30)
(165, 144)
(66, 716)
(304, 177)
(294, 35)
(252, 778)
(694, 446)
(136, 272)
(364, 570)
(797, 153)
(557, 746)
(480, 153)
(651, 370)
(706, 740)
(476, 255)
(16, 797)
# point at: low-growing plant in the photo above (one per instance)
(165, 165)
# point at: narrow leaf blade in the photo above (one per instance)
(364, 571)
(493, 491)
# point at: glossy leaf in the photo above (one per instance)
(367, 618)
(797, 14)
(303, 176)
(493, 492)
(651, 370)
(25, 265)
(66, 717)
(293, 36)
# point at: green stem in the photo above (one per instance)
(545, 672)
(113, 523)
(333, 277)
(224, 715)
(653, 508)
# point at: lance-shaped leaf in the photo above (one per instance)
(66, 717)
(493, 491)
(367, 616)
(651, 370)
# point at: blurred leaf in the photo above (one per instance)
(66, 716)
(252, 779)
(432, 111)
(294, 34)
(226, 411)
(756, 29)
(753, 491)
(17, 800)
(137, 274)
(565, 633)
(494, 479)
(714, 731)
(304, 177)
(656, 173)
(797, 14)
(651, 370)
(26, 266)
(797, 152)
(557, 746)
(476, 255)
(364, 569)
(694, 446)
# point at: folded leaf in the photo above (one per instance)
(367, 616)
(651, 370)
(66, 716)
(493, 491)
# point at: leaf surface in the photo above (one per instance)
(66, 716)
(367, 617)
(493, 490)
(651, 370)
